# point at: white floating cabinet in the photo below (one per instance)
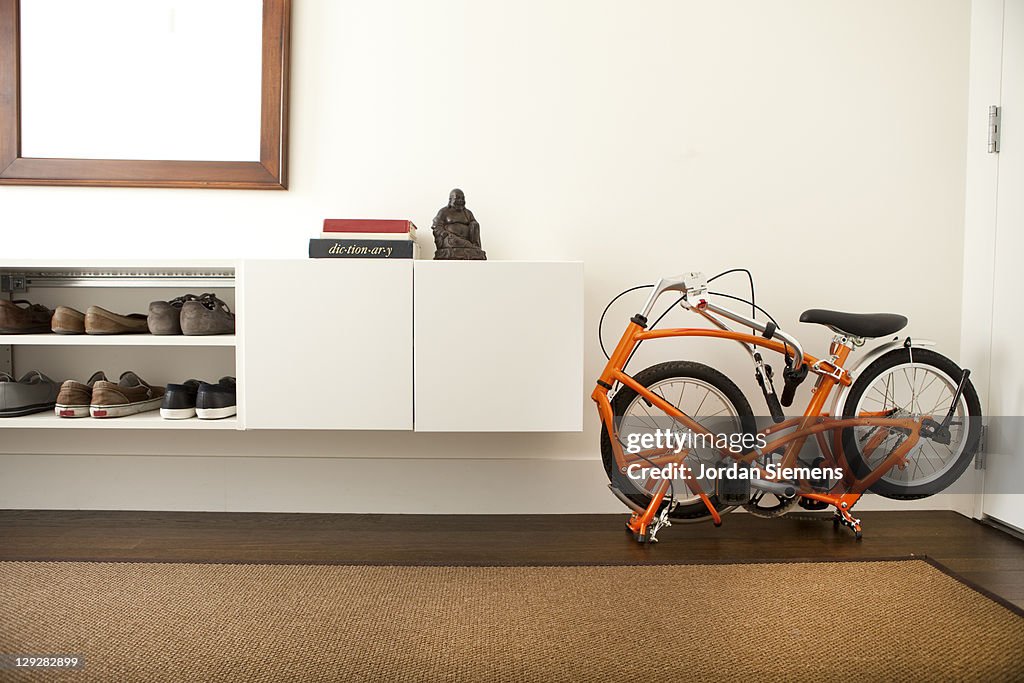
(334, 344)
(326, 344)
(499, 346)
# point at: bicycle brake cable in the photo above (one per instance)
(600, 323)
(750, 277)
(754, 308)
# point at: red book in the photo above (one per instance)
(345, 225)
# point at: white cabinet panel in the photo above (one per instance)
(326, 344)
(499, 346)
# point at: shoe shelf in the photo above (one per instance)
(121, 286)
(150, 420)
(115, 340)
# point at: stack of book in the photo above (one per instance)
(365, 238)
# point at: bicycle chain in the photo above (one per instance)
(810, 516)
(757, 511)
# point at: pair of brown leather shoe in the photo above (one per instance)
(96, 320)
(23, 317)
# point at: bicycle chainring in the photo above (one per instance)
(783, 505)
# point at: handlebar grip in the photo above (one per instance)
(793, 378)
(763, 375)
(774, 408)
(788, 392)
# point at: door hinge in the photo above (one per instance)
(993, 129)
(980, 456)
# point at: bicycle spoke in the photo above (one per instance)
(938, 455)
(680, 401)
(941, 403)
(660, 395)
(883, 394)
(913, 388)
(910, 385)
(697, 412)
(925, 388)
(655, 423)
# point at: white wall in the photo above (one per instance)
(821, 144)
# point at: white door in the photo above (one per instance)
(1004, 475)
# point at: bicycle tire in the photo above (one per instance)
(944, 366)
(697, 510)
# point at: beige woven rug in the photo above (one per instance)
(889, 620)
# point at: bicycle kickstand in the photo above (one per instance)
(649, 533)
(846, 519)
(645, 525)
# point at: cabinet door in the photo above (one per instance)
(499, 346)
(326, 344)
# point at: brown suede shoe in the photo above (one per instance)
(67, 320)
(129, 396)
(28, 319)
(207, 315)
(165, 316)
(101, 321)
(74, 397)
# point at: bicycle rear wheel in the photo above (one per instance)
(708, 397)
(912, 383)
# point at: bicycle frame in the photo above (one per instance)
(843, 495)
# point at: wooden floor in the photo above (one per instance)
(981, 554)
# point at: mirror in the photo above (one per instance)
(149, 93)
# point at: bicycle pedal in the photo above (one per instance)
(811, 504)
(732, 491)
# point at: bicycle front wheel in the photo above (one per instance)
(912, 383)
(705, 395)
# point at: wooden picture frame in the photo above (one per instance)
(269, 173)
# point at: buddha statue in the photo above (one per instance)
(456, 232)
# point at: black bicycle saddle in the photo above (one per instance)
(856, 324)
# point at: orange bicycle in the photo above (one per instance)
(679, 441)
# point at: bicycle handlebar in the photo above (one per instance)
(696, 285)
(798, 350)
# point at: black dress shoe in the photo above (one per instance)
(180, 400)
(216, 401)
